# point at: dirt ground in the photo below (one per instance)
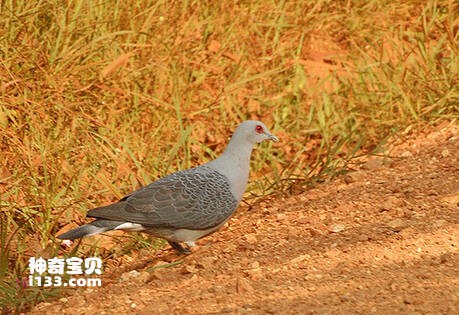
(382, 239)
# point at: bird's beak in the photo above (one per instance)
(273, 138)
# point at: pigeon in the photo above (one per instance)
(186, 205)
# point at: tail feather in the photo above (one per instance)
(93, 228)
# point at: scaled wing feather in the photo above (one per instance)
(198, 198)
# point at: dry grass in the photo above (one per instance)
(100, 97)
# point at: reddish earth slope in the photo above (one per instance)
(383, 239)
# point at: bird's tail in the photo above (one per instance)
(93, 228)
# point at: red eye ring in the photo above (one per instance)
(259, 129)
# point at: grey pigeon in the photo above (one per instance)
(186, 205)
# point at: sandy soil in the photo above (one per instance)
(382, 239)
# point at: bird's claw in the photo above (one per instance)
(179, 248)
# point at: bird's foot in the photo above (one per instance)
(179, 248)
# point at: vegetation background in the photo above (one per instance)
(100, 97)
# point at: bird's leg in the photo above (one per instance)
(179, 248)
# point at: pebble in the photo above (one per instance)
(251, 239)
(389, 204)
(373, 164)
(406, 154)
(129, 275)
(255, 274)
(397, 225)
(300, 258)
(348, 179)
(336, 228)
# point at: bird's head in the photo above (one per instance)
(255, 131)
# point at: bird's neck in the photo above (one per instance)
(238, 157)
(234, 163)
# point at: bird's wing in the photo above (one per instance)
(197, 198)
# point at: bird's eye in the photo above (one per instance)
(259, 129)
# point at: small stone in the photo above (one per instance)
(397, 225)
(348, 179)
(389, 204)
(406, 154)
(129, 275)
(189, 269)
(336, 228)
(143, 276)
(63, 300)
(315, 232)
(194, 278)
(281, 217)
(300, 258)
(255, 274)
(251, 239)
(452, 199)
(445, 153)
(411, 300)
(373, 164)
